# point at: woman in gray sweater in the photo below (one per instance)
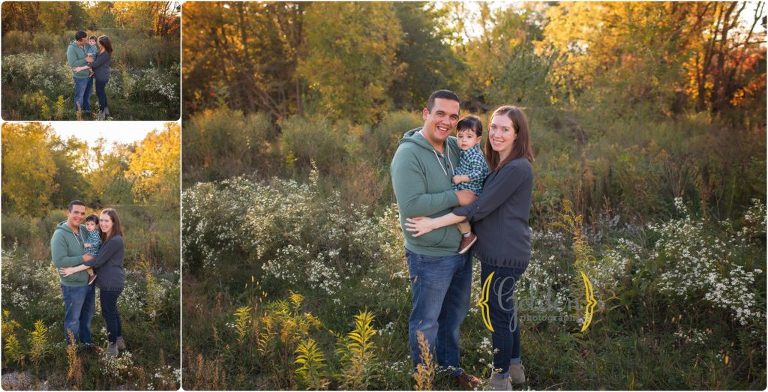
(110, 276)
(499, 217)
(101, 71)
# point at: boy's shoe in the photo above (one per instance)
(467, 381)
(91, 278)
(517, 374)
(120, 343)
(112, 350)
(467, 242)
(499, 384)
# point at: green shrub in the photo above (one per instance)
(312, 139)
(221, 143)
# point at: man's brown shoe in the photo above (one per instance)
(467, 381)
(467, 242)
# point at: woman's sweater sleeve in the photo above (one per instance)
(106, 252)
(101, 59)
(496, 191)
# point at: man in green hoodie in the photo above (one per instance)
(67, 250)
(76, 59)
(441, 278)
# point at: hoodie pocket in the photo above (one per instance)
(433, 238)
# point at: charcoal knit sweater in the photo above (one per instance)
(500, 216)
(109, 264)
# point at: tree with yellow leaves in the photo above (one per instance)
(154, 167)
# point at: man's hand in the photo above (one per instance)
(87, 257)
(465, 197)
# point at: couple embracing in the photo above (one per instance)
(89, 58)
(433, 176)
(88, 255)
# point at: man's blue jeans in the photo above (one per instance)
(79, 305)
(440, 296)
(83, 88)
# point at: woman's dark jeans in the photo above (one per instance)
(503, 313)
(102, 94)
(108, 300)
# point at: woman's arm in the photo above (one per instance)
(106, 252)
(423, 225)
(101, 59)
(66, 271)
(496, 191)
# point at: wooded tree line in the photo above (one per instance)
(42, 171)
(155, 17)
(358, 60)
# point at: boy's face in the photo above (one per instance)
(91, 226)
(467, 138)
(92, 42)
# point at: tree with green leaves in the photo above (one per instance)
(349, 59)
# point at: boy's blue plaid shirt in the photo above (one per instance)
(472, 164)
(94, 238)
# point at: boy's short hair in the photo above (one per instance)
(470, 122)
(93, 37)
(92, 218)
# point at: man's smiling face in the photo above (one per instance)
(441, 121)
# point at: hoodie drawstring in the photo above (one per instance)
(440, 161)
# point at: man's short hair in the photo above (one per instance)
(80, 35)
(74, 203)
(442, 94)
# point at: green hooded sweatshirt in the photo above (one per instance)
(76, 58)
(421, 179)
(67, 251)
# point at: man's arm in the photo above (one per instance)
(409, 184)
(72, 59)
(59, 252)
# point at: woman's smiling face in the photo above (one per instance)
(105, 222)
(502, 135)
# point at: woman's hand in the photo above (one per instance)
(87, 257)
(419, 225)
(66, 271)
